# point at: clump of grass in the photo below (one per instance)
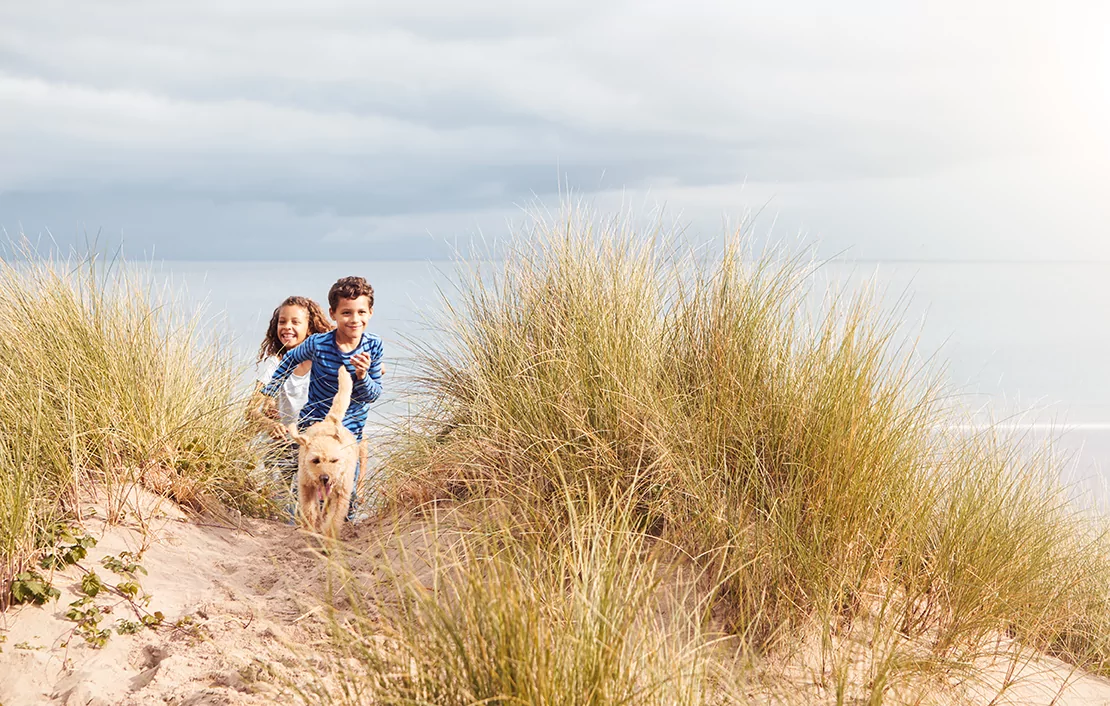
(500, 612)
(108, 379)
(796, 453)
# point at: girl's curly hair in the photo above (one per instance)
(317, 323)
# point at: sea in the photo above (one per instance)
(1024, 344)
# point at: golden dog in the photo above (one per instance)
(326, 465)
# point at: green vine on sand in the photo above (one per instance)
(88, 614)
(68, 550)
(30, 587)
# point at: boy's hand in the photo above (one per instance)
(362, 362)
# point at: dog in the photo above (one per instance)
(326, 461)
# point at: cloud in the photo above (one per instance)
(337, 113)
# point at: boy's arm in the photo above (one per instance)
(368, 388)
(291, 360)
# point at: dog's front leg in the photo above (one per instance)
(335, 510)
(309, 505)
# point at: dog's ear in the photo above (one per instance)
(298, 438)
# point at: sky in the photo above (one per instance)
(277, 130)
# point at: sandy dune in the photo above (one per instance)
(243, 606)
(234, 599)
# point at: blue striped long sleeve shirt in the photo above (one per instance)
(323, 383)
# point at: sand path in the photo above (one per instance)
(241, 604)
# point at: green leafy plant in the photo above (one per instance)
(130, 589)
(31, 587)
(125, 564)
(68, 549)
(153, 620)
(91, 584)
(88, 615)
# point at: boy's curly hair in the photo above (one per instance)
(350, 288)
(317, 323)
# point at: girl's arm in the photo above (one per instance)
(292, 359)
(262, 411)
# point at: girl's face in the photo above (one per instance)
(292, 325)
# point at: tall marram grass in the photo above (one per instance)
(108, 380)
(803, 458)
(496, 612)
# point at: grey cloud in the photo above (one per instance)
(341, 115)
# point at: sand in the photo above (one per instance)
(244, 614)
(241, 606)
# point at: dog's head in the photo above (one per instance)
(327, 452)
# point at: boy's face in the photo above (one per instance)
(351, 317)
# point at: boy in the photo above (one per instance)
(351, 303)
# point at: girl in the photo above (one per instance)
(292, 322)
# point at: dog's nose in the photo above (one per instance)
(324, 480)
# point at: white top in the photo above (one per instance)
(293, 394)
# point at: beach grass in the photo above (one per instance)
(110, 381)
(791, 447)
(497, 612)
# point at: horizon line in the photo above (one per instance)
(833, 260)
